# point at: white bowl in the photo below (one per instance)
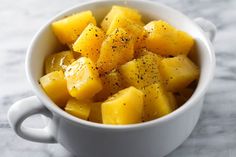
(86, 139)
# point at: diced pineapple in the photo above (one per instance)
(142, 71)
(183, 95)
(68, 29)
(117, 49)
(129, 13)
(83, 80)
(178, 72)
(125, 107)
(89, 42)
(156, 102)
(165, 40)
(111, 85)
(96, 112)
(130, 74)
(54, 84)
(142, 52)
(184, 43)
(80, 109)
(58, 61)
(135, 30)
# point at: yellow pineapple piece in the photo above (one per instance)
(69, 28)
(89, 42)
(125, 107)
(58, 61)
(96, 112)
(135, 30)
(83, 80)
(157, 102)
(129, 13)
(54, 85)
(117, 49)
(142, 52)
(178, 72)
(142, 71)
(112, 83)
(166, 40)
(78, 108)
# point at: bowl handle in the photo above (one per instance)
(208, 27)
(25, 108)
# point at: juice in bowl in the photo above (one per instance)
(113, 84)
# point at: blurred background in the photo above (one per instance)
(215, 133)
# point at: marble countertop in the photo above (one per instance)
(215, 133)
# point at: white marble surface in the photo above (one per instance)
(215, 133)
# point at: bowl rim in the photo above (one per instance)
(198, 93)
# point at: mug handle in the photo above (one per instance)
(208, 27)
(25, 108)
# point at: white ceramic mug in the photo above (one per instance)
(86, 139)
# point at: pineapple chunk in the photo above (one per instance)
(89, 42)
(111, 85)
(142, 52)
(125, 107)
(54, 84)
(117, 49)
(178, 72)
(135, 30)
(157, 102)
(129, 13)
(58, 61)
(142, 71)
(83, 80)
(165, 40)
(95, 112)
(68, 29)
(78, 108)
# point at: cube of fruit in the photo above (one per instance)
(111, 84)
(89, 42)
(183, 95)
(83, 80)
(178, 72)
(68, 29)
(131, 14)
(142, 71)
(54, 84)
(78, 108)
(135, 30)
(117, 49)
(96, 112)
(165, 40)
(125, 107)
(58, 61)
(142, 52)
(156, 102)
